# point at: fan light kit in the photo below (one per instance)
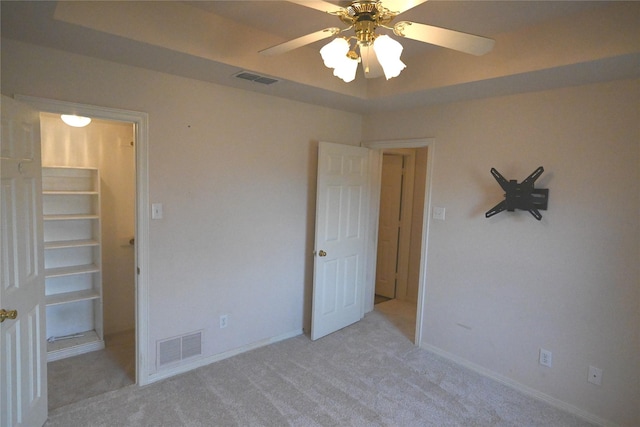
(378, 53)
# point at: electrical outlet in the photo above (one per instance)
(545, 357)
(224, 321)
(439, 213)
(595, 375)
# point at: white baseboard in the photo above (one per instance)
(520, 387)
(198, 363)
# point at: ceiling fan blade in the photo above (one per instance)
(400, 6)
(370, 64)
(300, 41)
(456, 40)
(322, 6)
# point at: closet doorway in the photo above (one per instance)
(400, 230)
(105, 150)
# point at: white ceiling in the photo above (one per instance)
(143, 35)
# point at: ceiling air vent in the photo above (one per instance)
(245, 75)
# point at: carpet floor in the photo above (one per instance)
(77, 378)
(402, 314)
(368, 374)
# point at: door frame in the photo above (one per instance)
(140, 122)
(376, 151)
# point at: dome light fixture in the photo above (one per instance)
(75, 121)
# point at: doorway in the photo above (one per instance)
(140, 122)
(415, 294)
(390, 225)
(400, 224)
(91, 342)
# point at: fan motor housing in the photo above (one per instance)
(365, 17)
(360, 7)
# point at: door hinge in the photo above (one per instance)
(138, 270)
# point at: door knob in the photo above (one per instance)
(11, 314)
(322, 253)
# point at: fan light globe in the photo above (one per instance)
(346, 70)
(388, 52)
(334, 52)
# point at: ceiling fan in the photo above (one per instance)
(379, 54)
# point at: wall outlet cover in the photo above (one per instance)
(546, 358)
(439, 213)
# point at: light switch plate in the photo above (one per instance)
(595, 375)
(156, 211)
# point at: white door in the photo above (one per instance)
(389, 225)
(23, 368)
(341, 213)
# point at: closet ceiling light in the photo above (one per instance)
(75, 121)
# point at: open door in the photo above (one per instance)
(389, 223)
(341, 214)
(23, 368)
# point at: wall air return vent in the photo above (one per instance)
(173, 350)
(245, 75)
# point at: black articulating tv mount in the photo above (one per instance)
(521, 196)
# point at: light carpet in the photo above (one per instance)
(368, 374)
(76, 378)
(402, 314)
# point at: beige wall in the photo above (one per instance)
(235, 172)
(104, 145)
(499, 289)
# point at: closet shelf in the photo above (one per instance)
(72, 233)
(88, 341)
(71, 271)
(63, 244)
(69, 193)
(69, 297)
(68, 217)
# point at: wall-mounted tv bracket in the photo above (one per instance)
(521, 196)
